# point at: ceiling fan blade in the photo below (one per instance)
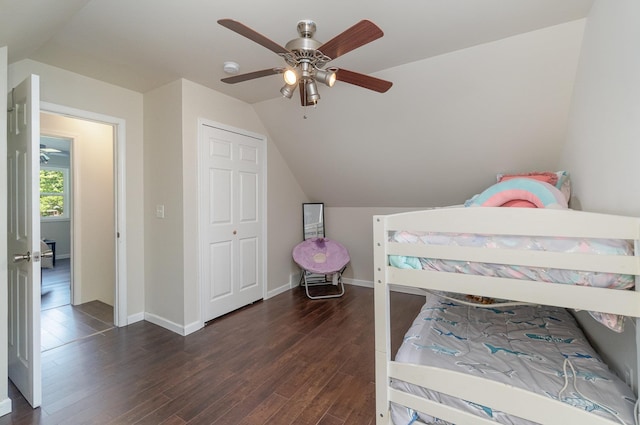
(252, 75)
(358, 35)
(245, 31)
(362, 80)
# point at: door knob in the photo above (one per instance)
(20, 257)
(235, 231)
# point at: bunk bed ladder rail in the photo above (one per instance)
(382, 322)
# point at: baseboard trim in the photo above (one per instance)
(134, 318)
(5, 406)
(167, 324)
(191, 328)
(358, 282)
(278, 291)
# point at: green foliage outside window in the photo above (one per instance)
(51, 193)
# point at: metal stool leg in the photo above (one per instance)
(308, 281)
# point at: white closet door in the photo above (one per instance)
(231, 199)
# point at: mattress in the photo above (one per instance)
(566, 245)
(524, 346)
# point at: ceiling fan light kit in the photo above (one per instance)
(325, 77)
(311, 92)
(306, 59)
(288, 89)
(290, 77)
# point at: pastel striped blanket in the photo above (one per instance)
(572, 277)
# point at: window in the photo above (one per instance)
(54, 193)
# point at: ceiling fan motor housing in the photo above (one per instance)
(304, 49)
(303, 44)
(306, 28)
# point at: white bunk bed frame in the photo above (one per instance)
(498, 221)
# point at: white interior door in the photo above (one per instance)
(23, 216)
(231, 202)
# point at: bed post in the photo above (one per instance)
(382, 325)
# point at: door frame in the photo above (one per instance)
(5, 401)
(263, 208)
(120, 317)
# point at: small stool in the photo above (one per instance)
(319, 259)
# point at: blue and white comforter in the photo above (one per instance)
(523, 346)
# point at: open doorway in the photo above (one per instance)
(56, 200)
(77, 210)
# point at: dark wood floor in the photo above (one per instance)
(287, 360)
(62, 323)
(56, 290)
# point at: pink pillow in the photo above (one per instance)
(559, 179)
(520, 192)
(547, 177)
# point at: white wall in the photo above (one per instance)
(284, 213)
(444, 129)
(164, 267)
(603, 141)
(164, 248)
(59, 231)
(76, 91)
(5, 402)
(604, 130)
(93, 205)
(284, 196)
(353, 227)
(171, 179)
(502, 106)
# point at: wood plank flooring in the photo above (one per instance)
(65, 324)
(56, 289)
(286, 360)
(62, 323)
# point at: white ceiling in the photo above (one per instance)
(505, 101)
(143, 44)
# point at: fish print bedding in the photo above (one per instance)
(524, 346)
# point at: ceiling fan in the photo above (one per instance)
(306, 59)
(45, 153)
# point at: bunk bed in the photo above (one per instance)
(450, 388)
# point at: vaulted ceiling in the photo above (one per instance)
(473, 80)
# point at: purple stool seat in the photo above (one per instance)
(321, 256)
